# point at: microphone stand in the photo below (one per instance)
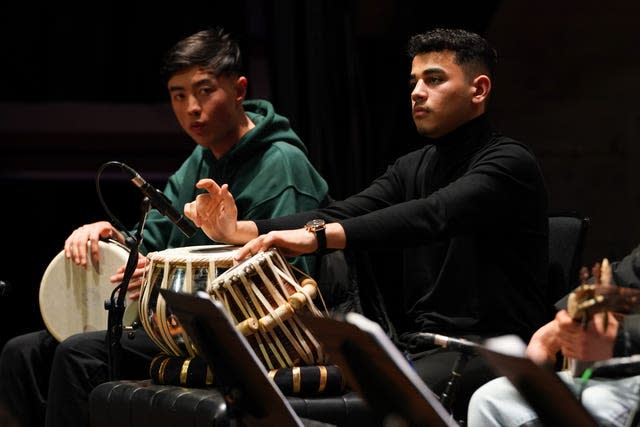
(446, 398)
(116, 307)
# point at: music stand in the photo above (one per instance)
(540, 386)
(251, 395)
(375, 368)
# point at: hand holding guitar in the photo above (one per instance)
(592, 339)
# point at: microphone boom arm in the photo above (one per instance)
(160, 201)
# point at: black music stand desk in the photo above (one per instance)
(251, 395)
(375, 368)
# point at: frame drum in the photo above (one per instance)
(72, 297)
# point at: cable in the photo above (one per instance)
(584, 379)
(114, 220)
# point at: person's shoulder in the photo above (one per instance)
(285, 152)
(511, 145)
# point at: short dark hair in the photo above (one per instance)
(469, 48)
(212, 49)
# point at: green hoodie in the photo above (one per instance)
(268, 173)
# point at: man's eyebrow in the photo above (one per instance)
(430, 70)
(200, 82)
(203, 81)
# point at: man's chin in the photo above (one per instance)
(426, 132)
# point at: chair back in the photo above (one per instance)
(567, 232)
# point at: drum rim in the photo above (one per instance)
(115, 249)
(196, 253)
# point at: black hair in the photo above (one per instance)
(212, 49)
(469, 48)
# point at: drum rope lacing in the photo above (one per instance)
(264, 290)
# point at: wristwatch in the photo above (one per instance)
(317, 226)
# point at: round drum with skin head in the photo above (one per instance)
(188, 270)
(72, 298)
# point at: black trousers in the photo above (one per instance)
(439, 367)
(46, 383)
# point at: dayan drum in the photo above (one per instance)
(264, 298)
(187, 270)
(72, 298)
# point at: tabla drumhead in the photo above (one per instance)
(72, 297)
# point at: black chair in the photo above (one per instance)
(142, 403)
(567, 232)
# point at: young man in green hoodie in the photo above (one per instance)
(242, 143)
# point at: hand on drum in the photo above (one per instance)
(290, 242)
(135, 284)
(75, 247)
(214, 211)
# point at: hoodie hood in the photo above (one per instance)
(270, 127)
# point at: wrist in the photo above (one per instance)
(318, 228)
(244, 232)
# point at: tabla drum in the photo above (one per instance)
(264, 296)
(72, 298)
(187, 269)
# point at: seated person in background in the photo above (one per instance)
(468, 211)
(242, 143)
(612, 402)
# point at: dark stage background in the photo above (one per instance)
(80, 87)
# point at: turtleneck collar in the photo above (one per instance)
(468, 135)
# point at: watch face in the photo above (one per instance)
(315, 224)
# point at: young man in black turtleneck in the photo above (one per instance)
(468, 212)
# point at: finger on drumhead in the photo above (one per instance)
(242, 253)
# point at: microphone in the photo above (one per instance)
(443, 341)
(161, 202)
(5, 288)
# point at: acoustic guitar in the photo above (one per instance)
(588, 299)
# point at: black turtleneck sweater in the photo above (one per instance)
(469, 214)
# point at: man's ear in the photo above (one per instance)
(241, 88)
(481, 87)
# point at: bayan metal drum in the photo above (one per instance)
(187, 270)
(72, 298)
(264, 297)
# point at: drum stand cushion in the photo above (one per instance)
(180, 370)
(309, 381)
